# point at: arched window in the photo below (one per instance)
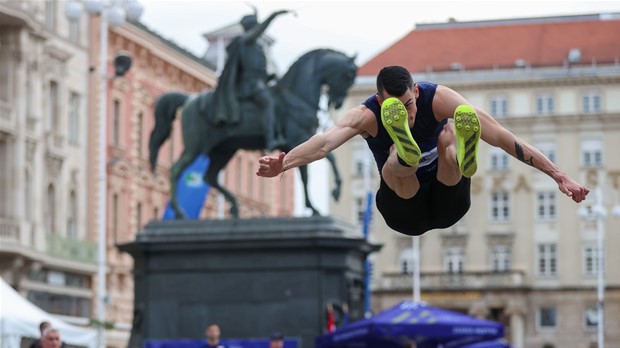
(50, 210)
(72, 216)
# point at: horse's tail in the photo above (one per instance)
(165, 112)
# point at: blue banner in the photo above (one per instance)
(191, 189)
(229, 343)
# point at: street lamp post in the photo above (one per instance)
(598, 213)
(112, 13)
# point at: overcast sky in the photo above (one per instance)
(362, 27)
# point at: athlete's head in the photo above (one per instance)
(393, 81)
(396, 81)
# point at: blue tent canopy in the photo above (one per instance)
(429, 327)
(488, 344)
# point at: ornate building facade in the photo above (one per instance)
(46, 250)
(136, 196)
(521, 255)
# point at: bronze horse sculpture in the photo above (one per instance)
(297, 96)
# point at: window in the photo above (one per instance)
(114, 219)
(250, 178)
(139, 217)
(591, 103)
(50, 14)
(360, 209)
(500, 206)
(116, 122)
(171, 142)
(140, 129)
(591, 317)
(4, 178)
(453, 260)
(547, 260)
(545, 104)
(547, 317)
(74, 110)
(239, 171)
(72, 217)
(499, 106)
(592, 152)
(155, 213)
(27, 193)
(545, 206)
(500, 258)
(406, 261)
(548, 149)
(74, 31)
(498, 159)
(50, 211)
(54, 117)
(590, 260)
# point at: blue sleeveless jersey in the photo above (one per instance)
(425, 131)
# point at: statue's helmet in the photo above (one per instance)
(248, 22)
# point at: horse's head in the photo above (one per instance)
(317, 69)
(338, 73)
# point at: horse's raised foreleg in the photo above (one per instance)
(336, 191)
(218, 160)
(187, 157)
(303, 171)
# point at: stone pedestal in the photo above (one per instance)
(250, 276)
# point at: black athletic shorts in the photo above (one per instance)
(435, 205)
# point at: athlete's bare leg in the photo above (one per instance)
(448, 172)
(399, 178)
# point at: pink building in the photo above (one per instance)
(135, 196)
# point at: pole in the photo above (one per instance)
(103, 96)
(366, 230)
(416, 268)
(600, 232)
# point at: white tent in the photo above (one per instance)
(20, 318)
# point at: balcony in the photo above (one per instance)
(7, 117)
(447, 281)
(72, 250)
(9, 231)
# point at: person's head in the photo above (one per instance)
(212, 333)
(276, 340)
(50, 338)
(396, 81)
(44, 325)
(248, 22)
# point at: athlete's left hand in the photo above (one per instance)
(573, 189)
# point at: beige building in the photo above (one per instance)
(522, 255)
(46, 251)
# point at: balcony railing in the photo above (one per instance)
(461, 281)
(69, 249)
(9, 230)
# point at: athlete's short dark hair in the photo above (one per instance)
(394, 80)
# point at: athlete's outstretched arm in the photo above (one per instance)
(445, 102)
(496, 135)
(317, 147)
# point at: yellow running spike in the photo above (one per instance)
(468, 132)
(396, 121)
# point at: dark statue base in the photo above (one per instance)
(250, 276)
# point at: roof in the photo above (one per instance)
(536, 42)
(173, 45)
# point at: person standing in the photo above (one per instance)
(276, 340)
(212, 333)
(51, 338)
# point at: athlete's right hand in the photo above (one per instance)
(270, 166)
